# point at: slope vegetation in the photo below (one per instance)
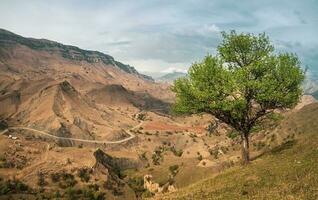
(288, 171)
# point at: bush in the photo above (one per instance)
(68, 180)
(147, 194)
(84, 174)
(55, 177)
(214, 152)
(232, 134)
(13, 187)
(141, 116)
(143, 156)
(174, 169)
(41, 179)
(91, 194)
(137, 184)
(176, 152)
(113, 185)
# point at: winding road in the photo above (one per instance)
(131, 136)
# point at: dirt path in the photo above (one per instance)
(131, 136)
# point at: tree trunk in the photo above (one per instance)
(245, 148)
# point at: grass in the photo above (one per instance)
(288, 171)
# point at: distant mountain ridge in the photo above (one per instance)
(8, 38)
(170, 77)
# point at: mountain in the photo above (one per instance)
(310, 86)
(9, 40)
(170, 77)
(48, 85)
(77, 124)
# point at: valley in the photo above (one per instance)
(77, 124)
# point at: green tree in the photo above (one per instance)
(242, 84)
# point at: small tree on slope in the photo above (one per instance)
(242, 84)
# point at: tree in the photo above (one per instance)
(244, 82)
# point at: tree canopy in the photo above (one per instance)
(242, 83)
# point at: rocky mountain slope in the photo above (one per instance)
(45, 84)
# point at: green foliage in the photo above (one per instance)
(114, 185)
(141, 116)
(84, 174)
(232, 134)
(13, 187)
(174, 169)
(67, 180)
(143, 156)
(157, 155)
(147, 194)
(243, 83)
(176, 152)
(41, 179)
(92, 194)
(136, 183)
(55, 177)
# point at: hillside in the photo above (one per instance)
(77, 124)
(9, 40)
(48, 85)
(287, 171)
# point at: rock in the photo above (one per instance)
(305, 100)
(113, 162)
(151, 186)
(171, 188)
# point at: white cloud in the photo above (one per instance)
(163, 35)
(174, 69)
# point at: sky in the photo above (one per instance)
(167, 35)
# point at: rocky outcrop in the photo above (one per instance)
(9, 39)
(155, 187)
(305, 100)
(113, 163)
(64, 132)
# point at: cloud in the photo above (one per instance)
(119, 43)
(174, 69)
(164, 35)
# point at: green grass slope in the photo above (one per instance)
(289, 171)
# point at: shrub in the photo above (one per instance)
(113, 186)
(174, 169)
(232, 134)
(214, 152)
(13, 187)
(68, 180)
(176, 152)
(147, 194)
(143, 156)
(41, 179)
(55, 177)
(84, 174)
(137, 184)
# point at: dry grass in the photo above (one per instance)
(286, 172)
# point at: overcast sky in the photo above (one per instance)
(162, 36)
